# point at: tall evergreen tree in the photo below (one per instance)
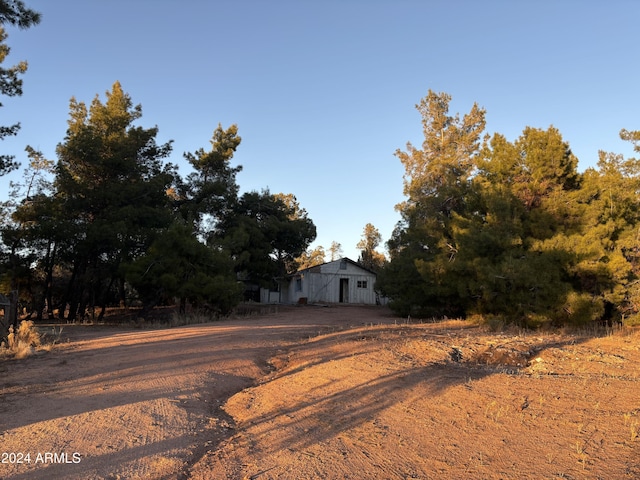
(437, 183)
(265, 235)
(335, 251)
(178, 265)
(523, 190)
(33, 233)
(310, 258)
(211, 191)
(15, 13)
(369, 257)
(112, 184)
(606, 271)
(512, 229)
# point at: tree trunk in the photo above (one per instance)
(103, 303)
(13, 309)
(40, 304)
(50, 261)
(69, 296)
(122, 292)
(146, 309)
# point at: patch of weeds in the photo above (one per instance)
(633, 424)
(494, 411)
(176, 319)
(193, 318)
(494, 323)
(22, 342)
(51, 338)
(581, 453)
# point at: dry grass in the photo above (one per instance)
(21, 343)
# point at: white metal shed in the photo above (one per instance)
(340, 281)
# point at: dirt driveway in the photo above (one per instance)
(324, 393)
(124, 403)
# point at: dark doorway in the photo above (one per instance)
(344, 290)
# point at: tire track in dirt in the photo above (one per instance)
(396, 404)
(141, 403)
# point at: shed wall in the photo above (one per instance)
(333, 282)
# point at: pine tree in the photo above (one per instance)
(112, 184)
(265, 236)
(437, 183)
(12, 12)
(369, 257)
(211, 191)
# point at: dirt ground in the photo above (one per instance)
(310, 392)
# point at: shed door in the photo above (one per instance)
(344, 290)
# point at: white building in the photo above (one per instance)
(340, 281)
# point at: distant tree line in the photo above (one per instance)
(110, 222)
(512, 229)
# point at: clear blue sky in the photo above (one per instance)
(324, 92)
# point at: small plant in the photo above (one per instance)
(22, 342)
(581, 453)
(633, 424)
(494, 323)
(493, 411)
(51, 338)
(191, 318)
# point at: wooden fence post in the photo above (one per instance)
(5, 305)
